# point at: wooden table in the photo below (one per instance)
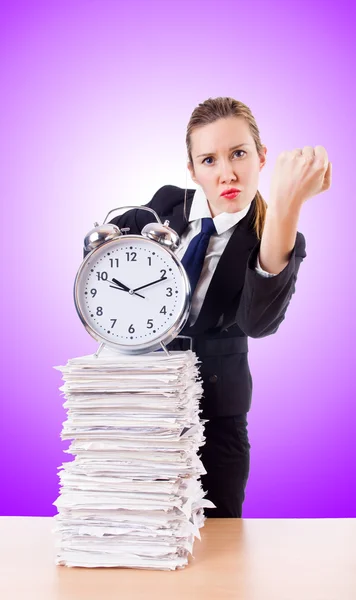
(243, 559)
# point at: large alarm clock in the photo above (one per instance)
(131, 291)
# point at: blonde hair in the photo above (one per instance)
(220, 108)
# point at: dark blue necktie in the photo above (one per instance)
(193, 258)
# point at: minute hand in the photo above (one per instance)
(147, 284)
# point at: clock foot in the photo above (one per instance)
(96, 354)
(164, 348)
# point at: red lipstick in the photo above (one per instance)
(230, 193)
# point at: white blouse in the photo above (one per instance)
(225, 224)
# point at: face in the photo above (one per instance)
(219, 165)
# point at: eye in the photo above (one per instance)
(240, 151)
(212, 157)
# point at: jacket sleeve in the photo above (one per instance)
(262, 271)
(264, 300)
(135, 219)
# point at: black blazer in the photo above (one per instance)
(251, 305)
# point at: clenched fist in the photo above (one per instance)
(297, 176)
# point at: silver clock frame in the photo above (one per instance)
(145, 347)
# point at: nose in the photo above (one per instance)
(227, 173)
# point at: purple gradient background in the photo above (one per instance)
(95, 99)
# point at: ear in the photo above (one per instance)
(191, 171)
(263, 159)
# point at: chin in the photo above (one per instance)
(231, 207)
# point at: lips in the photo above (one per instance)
(231, 192)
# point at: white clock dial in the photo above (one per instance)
(131, 291)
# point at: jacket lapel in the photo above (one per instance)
(229, 275)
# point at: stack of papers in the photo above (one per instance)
(132, 496)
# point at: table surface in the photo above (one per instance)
(244, 559)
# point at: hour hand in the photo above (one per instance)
(124, 288)
(121, 284)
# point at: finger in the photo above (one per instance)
(308, 150)
(322, 155)
(308, 153)
(327, 177)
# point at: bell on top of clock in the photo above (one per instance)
(163, 234)
(100, 234)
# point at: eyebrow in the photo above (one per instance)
(233, 148)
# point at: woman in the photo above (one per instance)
(248, 272)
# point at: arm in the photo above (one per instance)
(278, 239)
(262, 271)
(277, 243)
(298, 175)
(264, 300)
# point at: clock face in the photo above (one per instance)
(131, 291)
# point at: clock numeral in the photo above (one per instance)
(133, 256)
(103, 275)
(113, 322)
(114, 261)
(131, 329)
(164, 273)
(99, 311)
(163, 310)
(149, 261)
(170, 290)
(93, 292)
(149, 323)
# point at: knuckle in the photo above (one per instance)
(319, 164)
(283, 155)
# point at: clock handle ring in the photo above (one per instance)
(138, 208)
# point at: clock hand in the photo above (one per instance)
(124, 288)
(147, 284)
(120, 284)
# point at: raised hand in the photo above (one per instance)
(298, 175)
